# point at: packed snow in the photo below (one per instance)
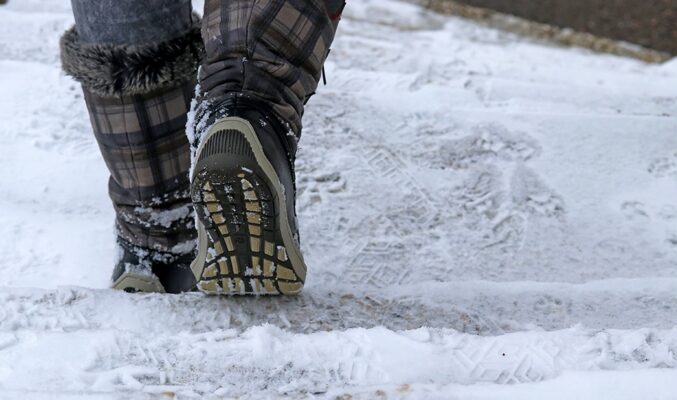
(483, 216)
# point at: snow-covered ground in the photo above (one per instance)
(483, 217)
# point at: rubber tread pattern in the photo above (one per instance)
(227, 139)
(236, 206)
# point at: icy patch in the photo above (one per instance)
(269, 361)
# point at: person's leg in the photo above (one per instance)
(132, 22)
(272, 51)
(263, 62)
(137, 62)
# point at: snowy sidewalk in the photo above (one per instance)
(482, 217)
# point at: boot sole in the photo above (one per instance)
(131, 282)
(245, 242)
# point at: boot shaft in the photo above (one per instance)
(138, 96)
(272, 51)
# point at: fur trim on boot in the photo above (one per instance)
(112, 70)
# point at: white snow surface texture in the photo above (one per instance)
(483, 216)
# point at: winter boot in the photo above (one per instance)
(263, 62)
(137, 62)
(243, 191)
(141, 270)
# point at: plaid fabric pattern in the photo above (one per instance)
(143, 142)
(270, 50)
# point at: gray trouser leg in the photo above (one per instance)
(131, 21)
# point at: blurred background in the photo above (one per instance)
(651, 24)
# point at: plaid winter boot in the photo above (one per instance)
(263, 61)
(137, 62)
